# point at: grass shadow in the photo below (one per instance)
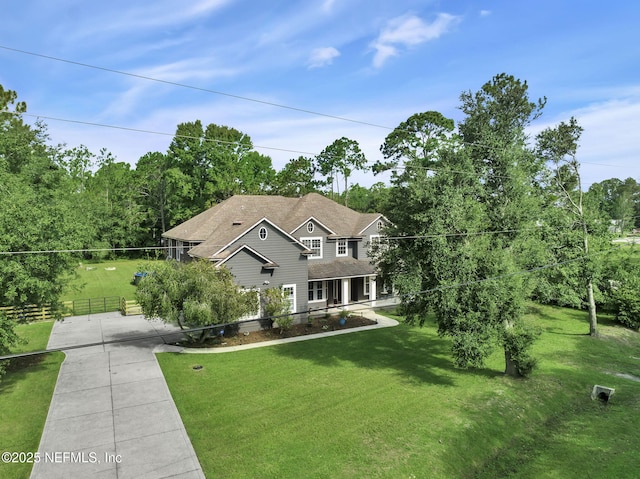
(413, 354)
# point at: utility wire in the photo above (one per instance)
(272, 148)
(357, 303)
(383, 239)
(239, 97)
(235, 143)
(191, 87)
(139, 130)
(144, 248)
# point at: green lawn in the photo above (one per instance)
(25, 395)
(388, 403)
(97, 280)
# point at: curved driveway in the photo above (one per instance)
(111, 415)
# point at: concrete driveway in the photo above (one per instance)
(111, 415)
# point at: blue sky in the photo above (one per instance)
(373, 61)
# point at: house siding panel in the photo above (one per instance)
(279, 248)
(363, 246)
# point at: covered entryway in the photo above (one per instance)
(341, 282)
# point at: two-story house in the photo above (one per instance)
(316, 249)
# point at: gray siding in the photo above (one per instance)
(363, 246)
(279, 248)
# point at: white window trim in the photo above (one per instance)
(310, 227)
(315, 290)
(266, 233)
(371, 239)
(367, 285)
(293, 287)
(346, 248)
(310, 239)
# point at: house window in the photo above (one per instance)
(315, 245)
(310, 227)
(379, 225)
(262, 233)
(374, 240)
(289, 293)
(316, 291)
(341, 247)
(367, 285)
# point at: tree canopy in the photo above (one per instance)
(192, 295)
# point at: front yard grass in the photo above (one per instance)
(388, 403)
(25, 394)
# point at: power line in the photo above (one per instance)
(145, 248)
(84, 250)
(231, 95)
(139, 130)
(235, 143)
(356, 303)
(191, 87)
(272, 148)
(382, 239)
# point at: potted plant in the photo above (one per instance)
(343, 317)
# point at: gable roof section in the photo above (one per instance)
(214, 248)
(266, 262)
(377, 217)
(223, 224)
(314, 220)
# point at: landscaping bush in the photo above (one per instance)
(626, 302)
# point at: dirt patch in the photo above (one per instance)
(317, 325)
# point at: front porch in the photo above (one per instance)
(340, 292)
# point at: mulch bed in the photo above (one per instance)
(317, 325)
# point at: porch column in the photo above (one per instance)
(345, 291)
(372, 290)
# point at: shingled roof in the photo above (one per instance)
(221, 224)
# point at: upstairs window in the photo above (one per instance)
(379, 225)
(315, 245)
(341, 247)
(262, 233)
(310, 227)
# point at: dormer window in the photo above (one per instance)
(310, 227)
(315, 245)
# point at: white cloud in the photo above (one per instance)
(407, 31)
(116, 19)
(321, 57)
(485, 13)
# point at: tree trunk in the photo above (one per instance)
(591, 303)
(593, 319)
(510, 368)
(346, 192)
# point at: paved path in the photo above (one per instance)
(111, 415)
